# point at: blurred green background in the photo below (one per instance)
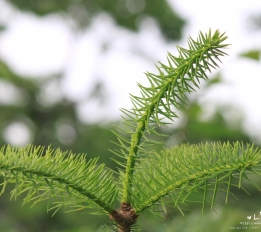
(58, 123)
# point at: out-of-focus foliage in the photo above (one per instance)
(50, 122)
(253, 26)
(253, 54)
(126, 13)
(215, 128)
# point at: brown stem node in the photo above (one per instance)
(124, 217)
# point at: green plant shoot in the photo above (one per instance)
(146, 178)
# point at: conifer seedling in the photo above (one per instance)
(147, 180)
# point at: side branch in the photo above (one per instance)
(190, 168)
(44, 174)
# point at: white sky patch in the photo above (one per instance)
(35, 46)
(17, 134)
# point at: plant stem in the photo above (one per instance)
(124, 217)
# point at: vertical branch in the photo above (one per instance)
(166, 89)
